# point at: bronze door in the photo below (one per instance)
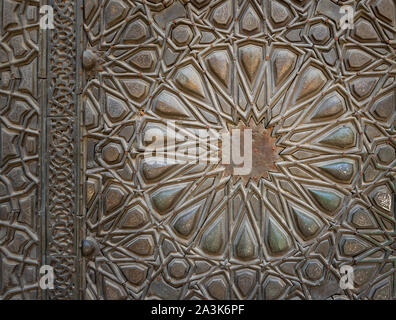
(78, 193)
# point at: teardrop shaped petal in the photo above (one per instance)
(186, 221)
(330, 106)
(307, 225)
(310, 83)
(341, 170)
(155, 168)
(329, 201)
(251, 58)
(189, 79)
(168, 105)
(278, 240)
(166, 199)
(213, 239)
(219, 64)
(343, 137)
(283, 64)
(245, 248)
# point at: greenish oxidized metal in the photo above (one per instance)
(78, 193)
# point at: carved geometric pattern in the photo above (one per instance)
(323, 197)
(62, 167)
(20, 116)
(158, 230)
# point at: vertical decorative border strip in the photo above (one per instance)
(62, 152)
(43, 80)
(22, 84)
(80, 156)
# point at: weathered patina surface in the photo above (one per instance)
(76, 191)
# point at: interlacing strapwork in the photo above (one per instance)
(162, 229)
(20, 116)
(318, 96)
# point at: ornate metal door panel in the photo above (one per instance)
(319, 99)
(20, 128)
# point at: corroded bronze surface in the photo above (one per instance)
(265, 153)
(320, 102)
(77, 192)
